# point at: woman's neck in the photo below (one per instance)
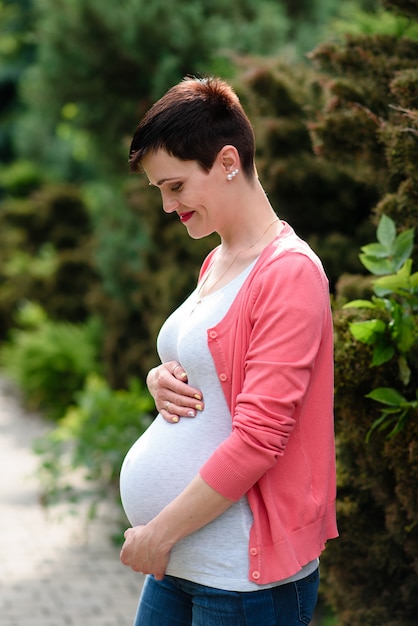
(250, 223)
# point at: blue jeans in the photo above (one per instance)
(178, 602)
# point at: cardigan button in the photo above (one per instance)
(256, 575)
(253, 551)
(213, 334)
(223, 377)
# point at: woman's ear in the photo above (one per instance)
(229, 158)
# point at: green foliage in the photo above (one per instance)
(390, 253)
(377, 506)
(16, 53)
(395, 332)
(93, 436)
(120, 238)
(403, 7)
(148, 265)
(21, 178)
(396, 412)
(353, 19)
(323, 203)
(359, 111)
(45, 253)
(117, 58)
(368, 126)
(50, 360)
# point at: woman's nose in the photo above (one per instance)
(170, 204)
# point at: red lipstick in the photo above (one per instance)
(184, 217)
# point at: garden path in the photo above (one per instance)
(55, 569)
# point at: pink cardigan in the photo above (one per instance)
(273, 352)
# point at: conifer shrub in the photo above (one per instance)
(370, 574)
(45, 254)
(147, 264)
(371, 570)
(326, 204)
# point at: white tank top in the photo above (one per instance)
(167, 457)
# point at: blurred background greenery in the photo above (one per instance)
(90, 267)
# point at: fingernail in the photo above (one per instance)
(191, 413)
(175, 419)
(198, 407)
(197, 396)
(183, 375)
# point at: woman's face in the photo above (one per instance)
(198, 197)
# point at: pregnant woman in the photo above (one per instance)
(231, 490)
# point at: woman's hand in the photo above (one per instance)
(144, 553)
(173, 396)
(147, 548)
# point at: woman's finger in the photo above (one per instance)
(172, 412)
(179, 372)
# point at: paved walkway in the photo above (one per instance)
(55, 570)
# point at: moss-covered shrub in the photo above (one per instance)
(376, 357)
(372, 569)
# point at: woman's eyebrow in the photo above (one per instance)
(165, 180)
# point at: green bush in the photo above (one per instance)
(377, 507)
(50, 360)
(396, 297)
(94, 436)
(21, 178)
(45, 254)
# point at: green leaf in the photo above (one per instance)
(406, 333)
(380, 423)
(376, 266)
(400, 283)
(404, 370)
(359, 304)
(400, 424)
(375, 250)
(368, 331)
(414, 280)
(387, 395)
(386, 231)
(389, 284)
(403, 246)
(382, 354)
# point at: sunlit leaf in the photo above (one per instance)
(375, 250)
(367, 331)
(360, 304)
(376, 266)
(414, 280)
(386, 395)
(404, 244)
(386, 231)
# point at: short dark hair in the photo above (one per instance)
(192, 122)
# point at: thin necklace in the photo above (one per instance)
(208, 273)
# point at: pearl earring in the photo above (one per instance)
(232, 174)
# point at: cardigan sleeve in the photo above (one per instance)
(287, 315)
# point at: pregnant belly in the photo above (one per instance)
(162, 462)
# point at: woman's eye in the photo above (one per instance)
(177, 187)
